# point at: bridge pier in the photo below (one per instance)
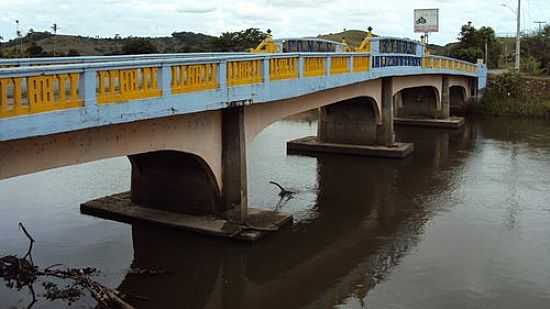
(353, 127)
(419, 107)
(181, 190)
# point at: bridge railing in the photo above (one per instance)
(37, 89)
(439, 62)
(25, 62)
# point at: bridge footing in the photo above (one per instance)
(312, 145)
(450, 123)
(119, 207)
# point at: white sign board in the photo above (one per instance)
(426, 20)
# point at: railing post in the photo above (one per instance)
(327, 65)
(265, 71)
(301, 62)
(87, 90)
(350, 64)
(165, 79)
(222, 74)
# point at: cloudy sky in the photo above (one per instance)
(287, 18)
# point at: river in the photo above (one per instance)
(463, 223)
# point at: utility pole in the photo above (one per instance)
(20, 37)
(540, 25)
(518, 39)
(54, 28)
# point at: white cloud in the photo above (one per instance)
(287, 18)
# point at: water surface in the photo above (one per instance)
(463, 223)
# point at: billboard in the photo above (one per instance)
(426, 20)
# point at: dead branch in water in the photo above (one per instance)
(21, 273)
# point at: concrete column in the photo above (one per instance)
(234, 190)
(445, 98)
(385, 133)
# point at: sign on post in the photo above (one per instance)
(426, 20)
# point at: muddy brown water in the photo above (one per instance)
(463, 223)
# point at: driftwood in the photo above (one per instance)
(21, 273)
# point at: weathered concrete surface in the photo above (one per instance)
(451, 123)
(418, 102)
(197, 133)
(385, 134)
(120, 207)
(174, 181)
(234, 163)
(349, 122)
(445, 99)
(312, 145)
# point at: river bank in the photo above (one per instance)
(511, 94)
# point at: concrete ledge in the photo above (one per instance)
(311, 145)
(451, 123)
(120, 208)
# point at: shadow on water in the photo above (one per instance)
(371, 213)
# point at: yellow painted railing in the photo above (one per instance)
(339, 65)
(244, 72)
(449, 64)
(360, 63)
(314, 66)
(283, 68)
(195, 77)
(130, 84)
(37, 94)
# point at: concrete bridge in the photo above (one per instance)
(185, 120)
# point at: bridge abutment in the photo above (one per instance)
(353, 127)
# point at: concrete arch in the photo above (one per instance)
(403, 82)
(464, 82)
(457, 95)
(197, 134)
(421, 101)
(260, 116)
(352, 122)
(174, 181)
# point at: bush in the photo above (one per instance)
(506, 96)
(136, 46)
(508, 85)
(531, 66)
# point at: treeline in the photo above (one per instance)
(472, 42)
(41, 44)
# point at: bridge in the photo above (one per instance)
(185, 120)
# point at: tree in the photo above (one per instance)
(472, 42)
(136, 46)
(239, 41)
(537, 45)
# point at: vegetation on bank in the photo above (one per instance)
(511, 94)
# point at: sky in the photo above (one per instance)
(286, 18)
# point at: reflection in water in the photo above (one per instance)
(365, 225)
(462, 223)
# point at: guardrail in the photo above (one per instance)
(37, 89)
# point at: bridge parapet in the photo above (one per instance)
(39, 100)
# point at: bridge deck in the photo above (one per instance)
(41, 100)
